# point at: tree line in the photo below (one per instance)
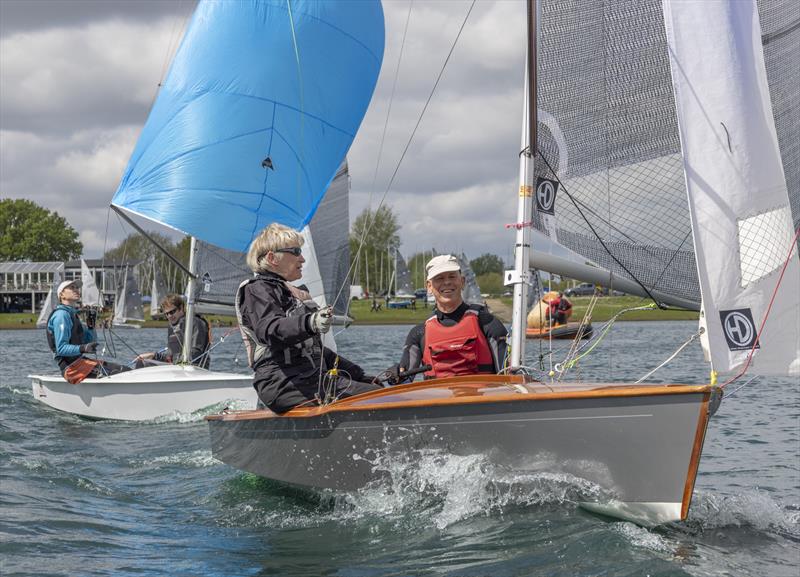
(29, 232)
(374, 239)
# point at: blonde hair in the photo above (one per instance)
(270, 239)
(172, 300)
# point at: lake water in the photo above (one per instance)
(81, 497)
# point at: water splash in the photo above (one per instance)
(201, 414)
(197, 459)
(644, 538)
(443, 489)
(753, 508)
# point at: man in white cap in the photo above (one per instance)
(66, 335)
(460, 338)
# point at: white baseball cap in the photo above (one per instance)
(76, 283)
(442, 263)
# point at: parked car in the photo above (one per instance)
(584, 289)
(421, 293)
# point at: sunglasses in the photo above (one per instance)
(169, 313)
(295, 250)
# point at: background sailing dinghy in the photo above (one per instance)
(638, 444)
(229, 147)
(127, 302)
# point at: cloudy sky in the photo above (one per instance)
(77, 79)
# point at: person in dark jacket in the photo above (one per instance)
(283, 330)
(460, 338)
(563, 310)
(68, 338)
(174, 309)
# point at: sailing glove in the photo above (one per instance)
(321, 321)
(390, 376)
(89, 348)
(91, 317)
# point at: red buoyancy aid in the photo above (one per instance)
(458, 350)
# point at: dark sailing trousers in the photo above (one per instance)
(308, 395)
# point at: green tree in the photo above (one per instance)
(487, 263)
(491, 282)
(375, 233)
(29, 232)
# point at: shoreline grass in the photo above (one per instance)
(605, 308)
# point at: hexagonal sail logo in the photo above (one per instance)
(546, 191)
(739, 328)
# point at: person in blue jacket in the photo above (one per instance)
(68, 338)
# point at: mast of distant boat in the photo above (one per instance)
(520, 276)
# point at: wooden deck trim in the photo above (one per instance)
(697, 450)
(356, 403)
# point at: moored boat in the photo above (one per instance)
(566, 331)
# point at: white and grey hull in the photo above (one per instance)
(144, 394)
(640, 444)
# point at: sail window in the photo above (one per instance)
(764, 242)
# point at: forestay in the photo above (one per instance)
(256, 114)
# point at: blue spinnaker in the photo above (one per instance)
(258, 110)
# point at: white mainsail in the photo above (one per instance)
(158, 291)
(738, 198)
(90, 295)
(50, 302)
(128, 306)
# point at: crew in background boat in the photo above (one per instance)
(174, 308)
(68, 338)
(460, 338)
(282, 329)
(560, 310)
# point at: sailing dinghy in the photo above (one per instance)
(639, 444)
(128, 302)
(235, 140)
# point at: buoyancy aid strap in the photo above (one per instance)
(255, 349)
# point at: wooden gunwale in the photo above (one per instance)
(534, 392)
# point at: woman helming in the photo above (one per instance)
(282, 327)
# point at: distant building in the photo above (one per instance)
(24, 285)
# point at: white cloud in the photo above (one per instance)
(77, 81)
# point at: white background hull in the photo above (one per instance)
(145, 394)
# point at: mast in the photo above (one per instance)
(520, 276)
(394, 274)
(189, 322)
